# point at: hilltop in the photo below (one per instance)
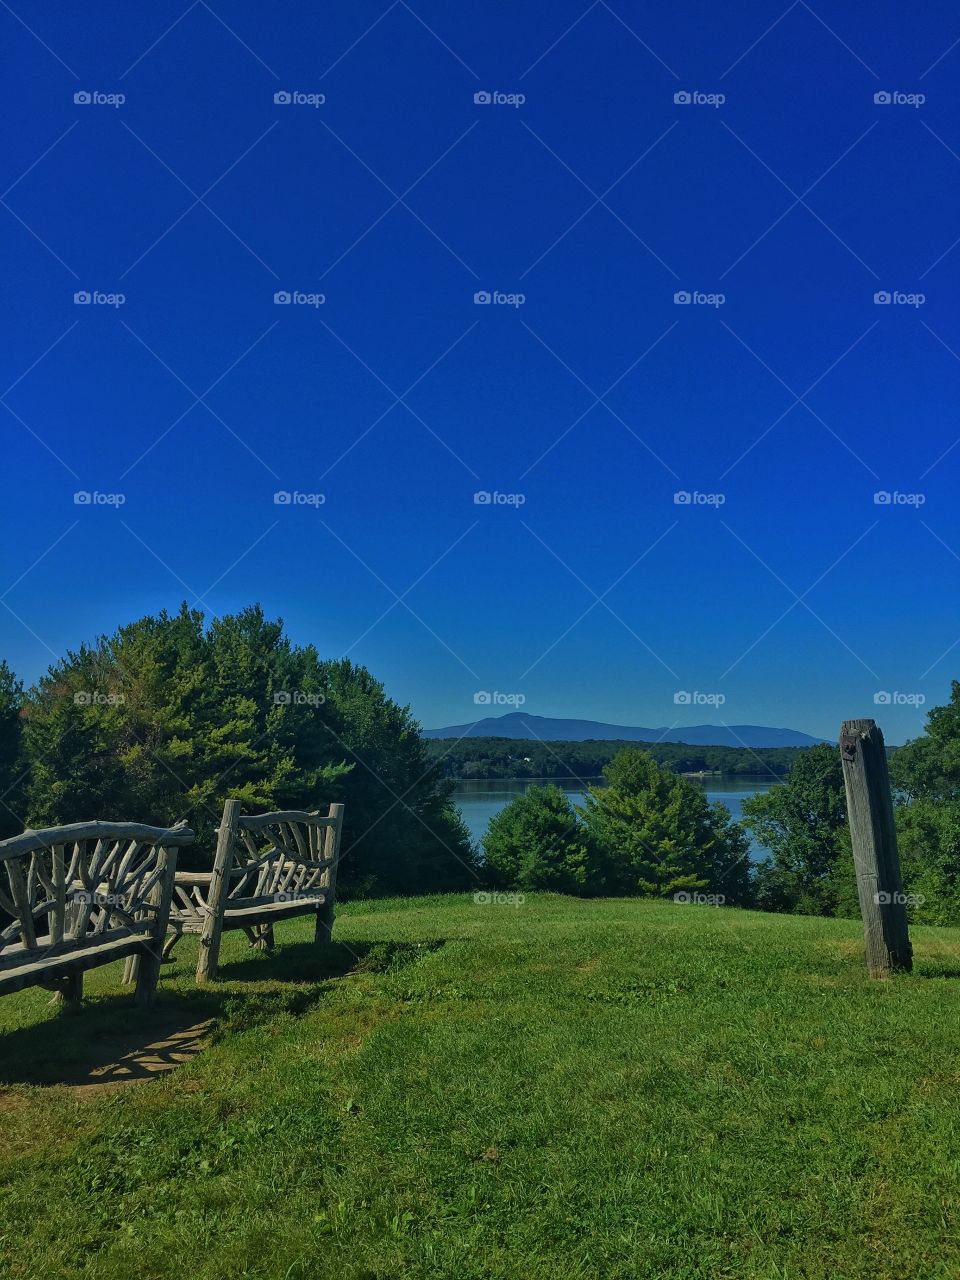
(518, 724)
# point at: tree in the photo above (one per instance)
(929, 767)
(649, 831)
(11, 753)
(168, 717)
(533, 843)
(802, 822)
(402, 832)
(925, 774)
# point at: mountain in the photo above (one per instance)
(517, 724)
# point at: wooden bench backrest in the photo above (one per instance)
(282, 856)
(65, 888)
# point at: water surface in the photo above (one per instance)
(480, 798)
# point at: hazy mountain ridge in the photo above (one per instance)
(517, 724)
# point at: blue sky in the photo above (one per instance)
(598, 398)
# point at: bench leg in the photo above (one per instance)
(147, 970)
(325, 918)
(131, 970)
(71, 992)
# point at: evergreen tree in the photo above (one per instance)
(650, 831)
(12, 763)
(534, 843)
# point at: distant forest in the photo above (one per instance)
(532, 758)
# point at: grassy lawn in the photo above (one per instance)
(539, 1092)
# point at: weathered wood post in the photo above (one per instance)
(209, 956)
(328, 880)
(875, 856)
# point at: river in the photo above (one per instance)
(478, 799)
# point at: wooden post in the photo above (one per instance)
(328, 881)
(875, 856)
(217, 893)
(147, 971)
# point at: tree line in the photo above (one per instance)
(172, 714)
(646, 830)
(533, 758)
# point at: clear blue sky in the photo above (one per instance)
(600, 197)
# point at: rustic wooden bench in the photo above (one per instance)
(76, 897)
(268, 867)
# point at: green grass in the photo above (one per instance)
(555, 1090)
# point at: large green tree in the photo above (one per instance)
(649, 831)
(534, 843)
(802, 822)
(925, 774)
(168, 717)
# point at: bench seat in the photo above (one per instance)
(15, 977)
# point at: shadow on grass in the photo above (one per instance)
(936, 968)
(110, 1041)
